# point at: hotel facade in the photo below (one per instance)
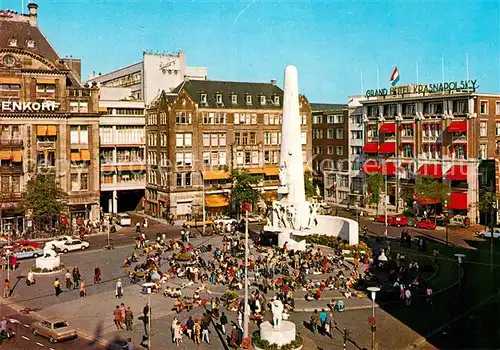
(195, 138)
(439, 131)
(49, 122)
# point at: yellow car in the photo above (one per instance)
(54, 328)
(198, 223)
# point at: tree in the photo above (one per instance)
(309, 188)
(375, 182)
(243, 189)
(430, 188)
(44, 196)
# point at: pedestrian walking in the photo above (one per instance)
(76, 277)
(123, 312)
(117, 317)
(178, 333)
(97, 275)
(197, 332)
(315, 321)
(57, 287)
(204, 332)
(119, 289)
(223, 322)
(331, 325)
(129, 319)
(190, 327)
(145, 317)
(6, 289)
(30, 279)
(323, 317)
(172, 328)
(408, 297)
(68, 278)
(83, 289)
(240, 318)
(428, 293)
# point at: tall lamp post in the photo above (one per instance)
(146, 288)
(246, 208)
(372, 321)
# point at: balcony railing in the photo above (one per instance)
(11, 142)
(78, 92)
(11, 169)
(43, 145)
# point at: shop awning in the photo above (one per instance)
(272, 171)
(388, 168)
(457, 126)
(370, 167)
(271, 195)
(457, 173)
(75, 157)
(45, 81)
(426, 200)
(255, 171)
(370, 147)
(41, 130)
(387, 148)
(10, 80)
(457, 201)
(103, 110)
(51, 130)
(216, 200)
(215, 175)
(85, 155)
(388, 128)
(4, 155)
(431, 170)
(17, 156)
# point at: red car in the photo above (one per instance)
(398, 220)
(427, 224)
(380, 218)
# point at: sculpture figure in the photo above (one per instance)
(283, 172)
(277, 310)
(48, 252)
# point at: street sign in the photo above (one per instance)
(372, 321)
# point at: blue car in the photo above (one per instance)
(27, 252)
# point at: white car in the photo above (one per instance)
(124, 219)
(58, 242)
(487, 233)
(74, 244)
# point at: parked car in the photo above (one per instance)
(398, 220)
(487, 233)
(54, 328)
(426, 224)
(58, 242)
(458, 220)
(25, 252)
(197, 223)
(24, 243)
(381, 218)
(124, 219)
(75, 244)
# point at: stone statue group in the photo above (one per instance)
(289, 217)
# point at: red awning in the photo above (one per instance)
(457, 201)
(388, 168)
(426, 200)
(370, 167)
(457, 126)
(457, 173)
(387, 147)
(370, 147)
(431, 170)
(388, 128)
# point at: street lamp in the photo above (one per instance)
(146, 289)
(373, 291)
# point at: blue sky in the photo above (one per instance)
(330, 42)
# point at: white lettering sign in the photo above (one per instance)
(17, 106)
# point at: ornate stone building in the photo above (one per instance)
(48, 120)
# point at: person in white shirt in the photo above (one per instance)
(408, 297)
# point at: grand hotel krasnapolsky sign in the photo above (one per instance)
(456, 86)
(17, 106)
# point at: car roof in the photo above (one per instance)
(54, 319)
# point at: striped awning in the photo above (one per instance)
(271, 171)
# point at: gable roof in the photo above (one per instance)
(195, 88)
(323, 107)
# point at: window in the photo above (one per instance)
(355, 150)
(483, 107)
(330, 150)
(319, 149)
(183, 118)
(267, 157)
(330, 119)
(344, 181)
(331, 134)
(179, 180)
(407, 130)
(318, 133)
(248, 158)
(234, 99)
(356, 119)
(222, 158)
(206, 158)
(497, 128)
(497, 108)
(239, 158)
(303, 137)
(338, 119)
(303, 119)
(219, 98)
(340, 150)
(249, 99)
(483, 132)
(12, 42)
(357, 134)
(266, 119)
(262, 100)
(184, 159)
(179, 140)
(483, 151)
(372, 130)
(255, 157)
(461, 106)
(47, 88)
(79, 182)
(187, 179)
(356, 165)
(407, 150)
(392, 110)
(203, 98)
(410, 109)
(79, 135)
(339, 134)
(214, 140)
(277, 100)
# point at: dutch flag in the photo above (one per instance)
(395, 76)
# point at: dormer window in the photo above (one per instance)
(276, 100)
(249, 99)
(203, 98)
(234, 99)
(263, 100)
(12, 42)
(30, 43)
(219, 98)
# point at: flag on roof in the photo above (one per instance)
(395, 76)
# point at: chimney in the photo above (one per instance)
(33, 13)
(273, 81)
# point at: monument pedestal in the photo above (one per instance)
(49, 263)
(280, 336)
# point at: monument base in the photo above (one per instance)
(280, 336)
(49, 263)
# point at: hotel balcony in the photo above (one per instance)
(11, 142)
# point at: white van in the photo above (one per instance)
(124, 219)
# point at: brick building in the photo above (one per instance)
(48, 120)
(196, 136)
(426, 130)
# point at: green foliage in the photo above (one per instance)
(244, 189)
(308, 185)
(44, 196)
(375, 183)
(265, 345)
(487, 197)
(430, 188)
